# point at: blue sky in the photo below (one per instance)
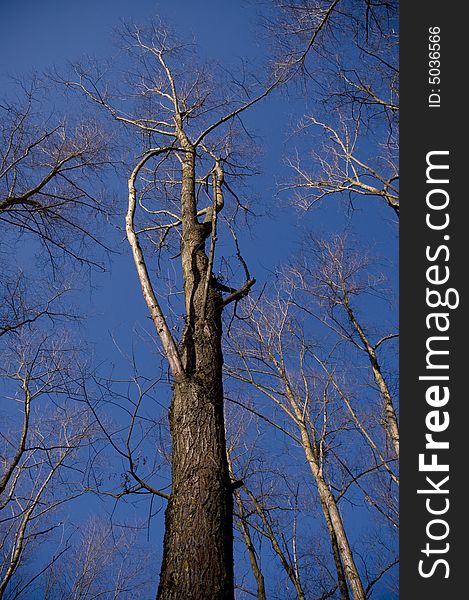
(38, 35)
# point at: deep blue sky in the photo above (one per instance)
(38, 35)
(35, 35)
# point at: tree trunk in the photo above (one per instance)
(341, 580)
(346, 563)
(198, 554)
(340, 535)
(198, 543)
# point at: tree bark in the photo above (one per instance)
(198, 556)
(198, 543)
(334, 518)
(341, 579)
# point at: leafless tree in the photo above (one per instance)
(43, 463)
(339, 166)
(255, 513)
(345, 56)
(274, 356)
(177, 196)
(337, 276)
(105, 561)
(347, 53)
(49, 169)
(49, 198)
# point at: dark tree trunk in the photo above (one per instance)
(198, 555)
(198, 543)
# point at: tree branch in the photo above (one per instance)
(156, 313)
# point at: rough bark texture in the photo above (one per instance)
(198, 544)
(198, 559)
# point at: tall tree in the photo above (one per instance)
(188, 158)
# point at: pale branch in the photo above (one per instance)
(385, 339)
(371, 97)
(18, 546)
(97, 97)
(156, 313)
(391, 417)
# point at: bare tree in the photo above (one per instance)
(275, 357)
(340, 167)
(186, 167)
(104, 561)
(254, 511)
(347, 53)
(270, 326)
(240, 511)
(48, 175)
(42, 463)
(338, 276)
(49, 198)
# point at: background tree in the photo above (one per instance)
(347, 55)
(49, 169)
(43, 465)
(49, 197)
(104, 562)
(336, 275)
